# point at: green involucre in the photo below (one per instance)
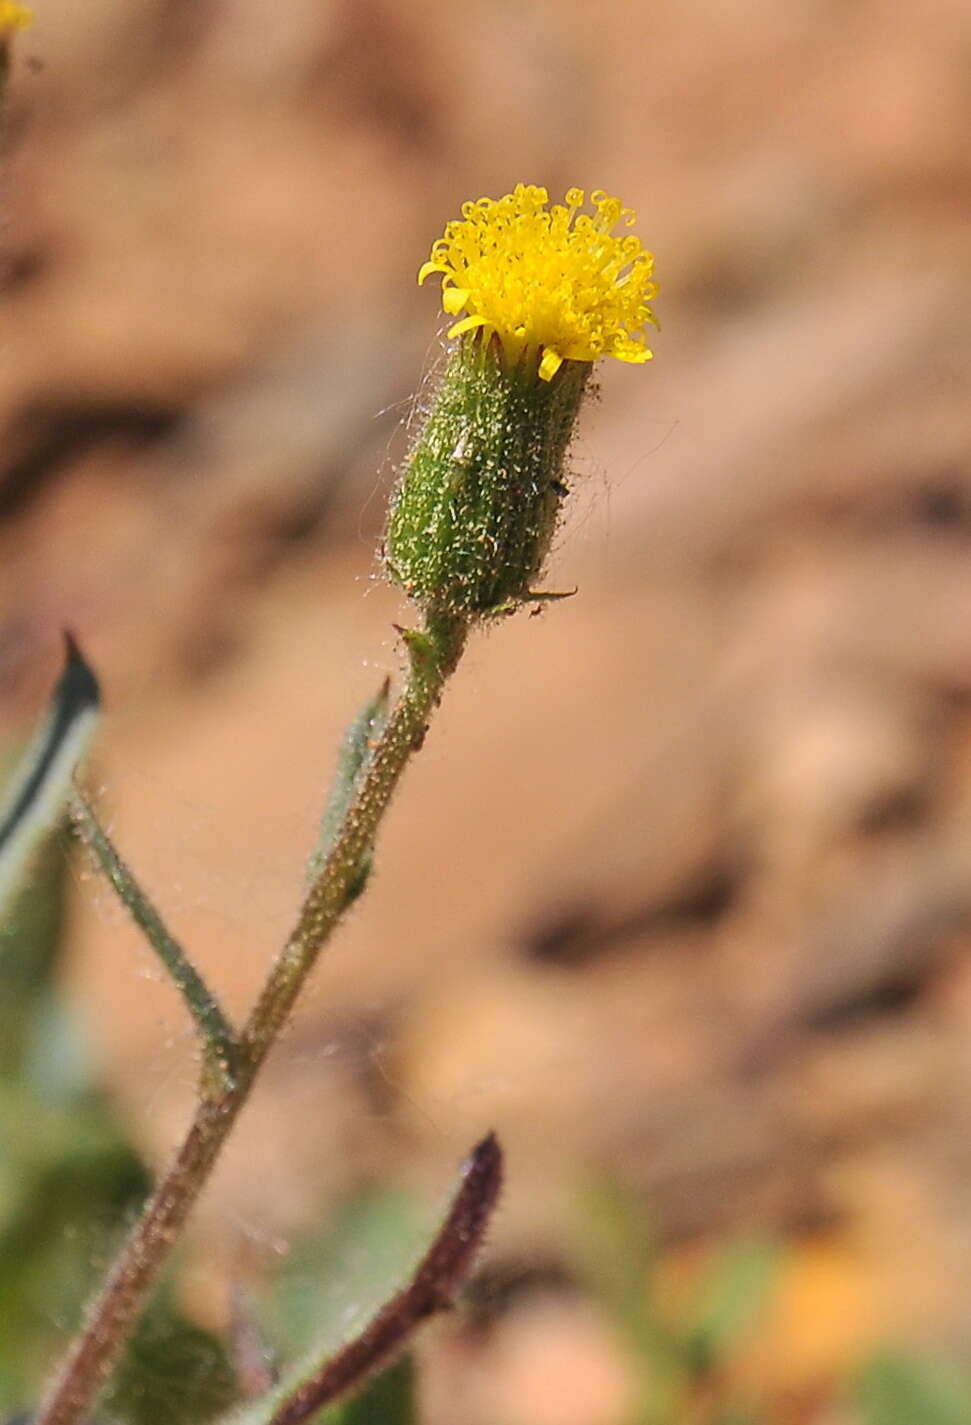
(478, 501)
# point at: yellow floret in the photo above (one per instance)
(13, 16)
(548, 279)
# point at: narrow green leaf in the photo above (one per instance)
(30, 937)
(352, 760)
(215, 1030)
(325, 1376)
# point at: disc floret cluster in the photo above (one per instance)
(555, 281)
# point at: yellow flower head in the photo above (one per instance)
(546, 278)
(13, 16)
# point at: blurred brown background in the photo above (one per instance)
(681, 884)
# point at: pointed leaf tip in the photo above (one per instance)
(78, 685)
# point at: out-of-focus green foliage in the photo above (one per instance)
(679, 1356)
(174, 1373)
(388, 1400)
(684, 1358)
(335, 1279)
(32, 1031)
(735, 1289)
(69, 1183)
(902, 1388)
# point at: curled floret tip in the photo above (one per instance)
(553, 280)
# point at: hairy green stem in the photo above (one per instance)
(324, 1376)
(219, 1040)
(434, 653)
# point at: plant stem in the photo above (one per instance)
(219, 1041)
(324, 1377)
(434, 653)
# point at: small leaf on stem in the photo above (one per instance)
(431, 1288)
(219, 1040)
(352, 760)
